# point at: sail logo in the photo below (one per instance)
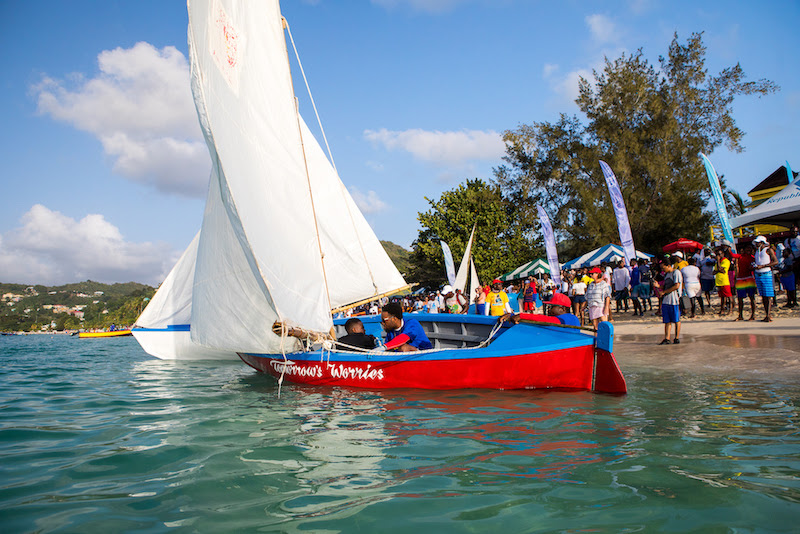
(225, 45)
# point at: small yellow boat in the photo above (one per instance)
(113, 333)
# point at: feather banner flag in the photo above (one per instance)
(625, 235)
(716, 190)
(789, 173)
(449, 267)
(550, 246)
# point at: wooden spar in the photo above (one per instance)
(373, 297)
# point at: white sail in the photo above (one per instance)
(281, 237)
(356, 264)
(463, 269)
(474, 283)
(172, 303)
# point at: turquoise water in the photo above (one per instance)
(95, 436)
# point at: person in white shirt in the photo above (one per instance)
(691, 285)
(578, 293)
(622, 281)
(670, 298)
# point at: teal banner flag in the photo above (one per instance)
(716, 190)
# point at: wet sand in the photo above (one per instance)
(714, 344)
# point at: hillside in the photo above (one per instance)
(26, 308)
(400, 256)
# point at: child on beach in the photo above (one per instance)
(670, 299)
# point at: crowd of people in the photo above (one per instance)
(681, 284)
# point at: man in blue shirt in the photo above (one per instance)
(394, 324)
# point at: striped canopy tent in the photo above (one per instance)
(609, 253)
(539, 266)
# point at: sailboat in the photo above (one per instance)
(283, 242)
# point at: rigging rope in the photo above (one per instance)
(330, 153)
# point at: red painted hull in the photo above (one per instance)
(563, 369)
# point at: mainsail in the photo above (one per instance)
(281, 238)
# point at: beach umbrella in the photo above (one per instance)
(682, 244)
(610, 253)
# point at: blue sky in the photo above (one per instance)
(105, 171)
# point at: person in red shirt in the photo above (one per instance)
(745, 281)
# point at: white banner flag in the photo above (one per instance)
(625, 235)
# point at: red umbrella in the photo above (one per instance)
(682, 244)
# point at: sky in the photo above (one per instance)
(104, 169)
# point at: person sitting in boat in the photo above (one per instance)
(396, 326)
(559, 313)
(356, 336)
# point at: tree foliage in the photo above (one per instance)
(499, 244)
(648, 124)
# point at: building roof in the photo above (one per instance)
(779, 178)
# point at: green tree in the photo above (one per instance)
(649, 125)
(499, 245)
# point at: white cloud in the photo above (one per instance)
(549, 69)
(140, 107)
(51, 248)
(369, 203)
(442, 148)
(602, 28)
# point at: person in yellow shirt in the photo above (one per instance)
(723, 282)
(497, 300)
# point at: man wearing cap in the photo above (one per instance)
(528, 295)
(559, 306)
(598, 297)
(762, 269)
(497, 300)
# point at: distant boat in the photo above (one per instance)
(283, 241)
(111, 333)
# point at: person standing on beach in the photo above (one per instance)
(691, 286)
(707, 277)
(622, 281)
(670, 298)
(786, 273)
(764, 260)
(723, 282)
(528, 295)
(578, 291)
(598, 297)
(746, 282)
(645, 285)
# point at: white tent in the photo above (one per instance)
(783, 209)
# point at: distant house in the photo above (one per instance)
(98, 293)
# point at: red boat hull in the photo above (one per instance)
(523, 357)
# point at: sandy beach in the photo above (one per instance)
(710, 343)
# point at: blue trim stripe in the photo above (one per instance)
(170, 328)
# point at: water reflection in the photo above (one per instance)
(674, 437)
